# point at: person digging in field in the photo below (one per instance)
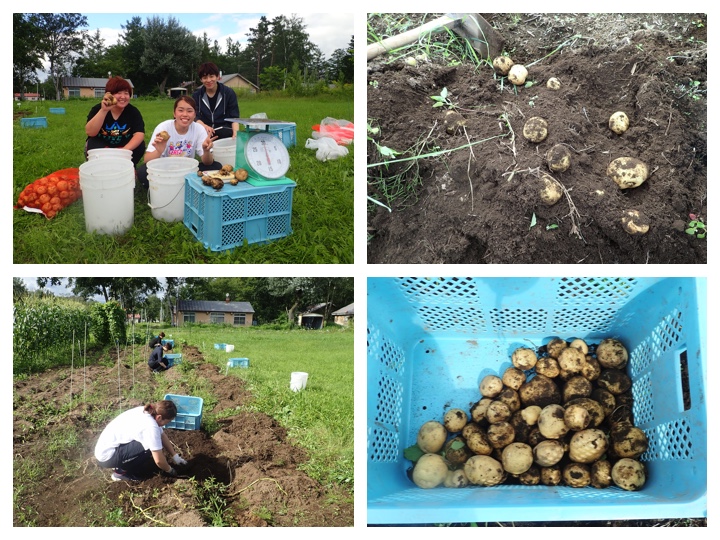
(154, 342)
(157, 361)
(132, 444)
(115, 123)
(180, 137)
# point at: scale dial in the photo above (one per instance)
(267, 156)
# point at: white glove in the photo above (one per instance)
(178, 460)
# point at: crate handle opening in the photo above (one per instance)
(685, 380)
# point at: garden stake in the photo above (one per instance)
(72, 362)
(84, 383)
(117, 346)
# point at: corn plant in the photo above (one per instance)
(43, 331)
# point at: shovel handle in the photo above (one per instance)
(394, 42)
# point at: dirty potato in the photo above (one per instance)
(550, 191)
(524, 358)
(628, 172)
(535, 129)
(540, 391)
(454, 122)
(612, 354)
(429, 471)
(491, 386)
(484, 471)
(454, 420)
(553, 83)
(517, 74)
(431, 437)
(619, 122)
(513, 378)
(635, 222)
(502, 64)
(558, 158)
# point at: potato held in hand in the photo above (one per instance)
(109, 100)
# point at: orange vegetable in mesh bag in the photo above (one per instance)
(51, 193)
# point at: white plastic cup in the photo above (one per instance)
(298, 380)
(107, 193)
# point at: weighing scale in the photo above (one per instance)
(260, 152)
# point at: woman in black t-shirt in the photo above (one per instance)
(116, 126)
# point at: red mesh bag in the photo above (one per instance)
(52, 193)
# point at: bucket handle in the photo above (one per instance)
(164, 205)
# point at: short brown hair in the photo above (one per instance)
(118, 84)
(208, 68)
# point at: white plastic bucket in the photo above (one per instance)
(224, 151)
(166, 179)
(229, 348)
(107, 192)
(298, 380)
(98, 153)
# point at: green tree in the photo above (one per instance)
(170, 51)
(61, 41)
(272, 78)
(26, 52)
(258, 47)
(19, 289)
(92, 60)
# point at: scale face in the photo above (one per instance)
(266, 155)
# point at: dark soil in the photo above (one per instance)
(249, 456)
(483, 206)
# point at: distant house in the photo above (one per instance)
(217, 312)
(235, 80)
(313, 317)
(344, 316)
(86, 87)
(29, 96)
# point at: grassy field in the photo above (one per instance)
(322, 205)
(321, 420)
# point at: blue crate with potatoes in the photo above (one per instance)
(189, 412)
(228, 218)
(432, 340)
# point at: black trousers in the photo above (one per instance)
(134, 459)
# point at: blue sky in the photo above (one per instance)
(329, 31)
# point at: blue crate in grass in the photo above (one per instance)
(239, 362)
(57, 110)
(174, 359)
(189, 412)
(432, 340)
(285, 131)
(220, 346)
(228, 218)
(39, 122)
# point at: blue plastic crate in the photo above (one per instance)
(39, 122)
(227, 218)
(170, 341)
(239, 362)
(220, 346)
(189, 412)
(174, 359)
(431, 341)
(286, 132)
(57, 110)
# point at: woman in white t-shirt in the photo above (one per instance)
(132, 444)
(181, 136)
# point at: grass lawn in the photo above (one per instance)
(322, 204)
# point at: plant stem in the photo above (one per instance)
(435, 154)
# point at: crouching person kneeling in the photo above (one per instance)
(133, 443)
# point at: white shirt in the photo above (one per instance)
(132, 425)
(186, 145)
